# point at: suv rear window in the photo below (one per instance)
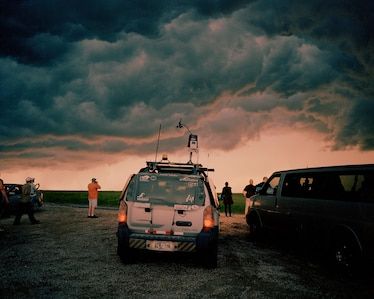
(167, 189)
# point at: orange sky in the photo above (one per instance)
(254, 159)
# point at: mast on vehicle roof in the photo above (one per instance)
(158, 142)
(192, 142)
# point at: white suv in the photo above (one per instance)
(169, 207)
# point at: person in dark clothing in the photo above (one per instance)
(4, 202)
(227, 198)
(259, 185)
(25, 205)
(249, 190)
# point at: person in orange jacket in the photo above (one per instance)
(93, 194)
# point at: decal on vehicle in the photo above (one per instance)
(144, 178)
(186, 207)
(142, 197)
(188, 179)
(142, 204)
(190, 198)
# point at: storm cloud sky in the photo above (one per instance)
(80, 77)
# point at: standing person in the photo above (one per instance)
(249, 190)
(259, 185)
(25, 205)
(34, 194)
(3, 196)
(4, 202)
(93, 194)
(227, 198)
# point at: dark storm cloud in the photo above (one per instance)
(71, 20)
(359, 129)
(72, 72)
(24, 23)
(338, 69)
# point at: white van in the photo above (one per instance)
(328, 206)
(169, 207)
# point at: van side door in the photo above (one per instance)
(266, 202)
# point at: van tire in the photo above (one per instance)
(208, 258)
(125, 254)
(254, 227)
(345, 253)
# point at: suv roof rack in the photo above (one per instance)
(169, 167)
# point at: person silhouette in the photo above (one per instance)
(227, 198)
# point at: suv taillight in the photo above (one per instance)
(122, 212)
(208, 218)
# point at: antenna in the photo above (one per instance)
(158, 142)
(180, 125)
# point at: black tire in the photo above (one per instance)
(345, 253)
(125, 253)
(254, 228)
(208, 258)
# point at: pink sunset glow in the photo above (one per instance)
(255, 159)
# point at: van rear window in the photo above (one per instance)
(167, 189)
(350, 186)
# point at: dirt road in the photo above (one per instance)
(71, 256)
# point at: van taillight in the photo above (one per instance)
(122, 212)
(208, 218)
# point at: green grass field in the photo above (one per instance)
(110, 199)
(106, 198)
(239, 204)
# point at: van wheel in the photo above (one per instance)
(125, 254)
(345, 253)
(254, 228)
(208, 258)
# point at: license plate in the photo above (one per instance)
(161, 245)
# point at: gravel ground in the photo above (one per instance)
(71, 256)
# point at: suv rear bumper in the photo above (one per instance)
(202, 242)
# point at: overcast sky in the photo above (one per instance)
(88, 83)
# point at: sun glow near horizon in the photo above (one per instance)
(253, 160)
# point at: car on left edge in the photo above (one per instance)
(14, 192)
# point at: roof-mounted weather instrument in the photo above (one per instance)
(193, 144)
